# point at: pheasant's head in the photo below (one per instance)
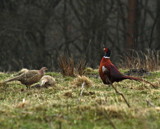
(107, 52)
(43, 69)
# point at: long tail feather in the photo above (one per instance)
(12, 79)
(139, 79)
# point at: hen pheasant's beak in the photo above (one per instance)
(45, 69)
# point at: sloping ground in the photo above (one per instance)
(63, 107)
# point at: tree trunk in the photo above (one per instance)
(158, 25)
(132, 5)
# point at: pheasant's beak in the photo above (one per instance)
(45, 69)
(104, 49)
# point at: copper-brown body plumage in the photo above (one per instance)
(110, 74)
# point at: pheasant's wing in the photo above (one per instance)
(30, 74)
(30, 77)
(105, 70)
(109, 73)
(112, 73)
(106, 74)
(115, 74)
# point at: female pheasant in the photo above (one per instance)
(110, 74)
(29, 77)
(47, 81)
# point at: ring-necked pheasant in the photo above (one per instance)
(30, 77)
(110, 74)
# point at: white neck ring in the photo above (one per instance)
(106, 57)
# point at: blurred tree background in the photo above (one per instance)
(33, 33)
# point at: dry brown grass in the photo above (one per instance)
(80, 79)
(148, 60)
(66, 65)
(88, 70)
(81, 66)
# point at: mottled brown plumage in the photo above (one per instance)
(47, 81)
(21, 72)
(30, 77)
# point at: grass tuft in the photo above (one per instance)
(68, 68)
(66, 65)
(81, 79)
(81, 66)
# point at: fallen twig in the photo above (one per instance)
(82, 89)
(150, 103)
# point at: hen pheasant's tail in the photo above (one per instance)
(139, 79)
(12, 79)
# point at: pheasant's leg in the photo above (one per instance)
(28, 87)
(109, 85)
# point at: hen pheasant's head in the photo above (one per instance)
(107, 52)
(43, 69)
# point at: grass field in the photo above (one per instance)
(61, 107)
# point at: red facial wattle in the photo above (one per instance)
(106, 50)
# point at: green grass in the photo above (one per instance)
(61, 107)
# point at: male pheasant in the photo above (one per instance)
(110, 74)
(30, 77)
